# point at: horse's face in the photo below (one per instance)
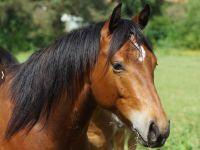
(126, 86)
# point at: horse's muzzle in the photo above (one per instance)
(155, 137)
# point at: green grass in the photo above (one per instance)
(22, 56)
(178, 83)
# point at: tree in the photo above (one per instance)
(32, 24)
(131, 7)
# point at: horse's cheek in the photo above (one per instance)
(104, 96)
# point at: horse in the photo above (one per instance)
(109, 133)
(100, 132)
(101, 141)
(46, 102)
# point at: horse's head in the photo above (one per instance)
(123, 78)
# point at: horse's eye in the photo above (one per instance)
(117, 67)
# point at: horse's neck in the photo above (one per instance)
(70, 120)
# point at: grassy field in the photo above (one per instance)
(178, 82)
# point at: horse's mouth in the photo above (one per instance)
(145, 143)
(141, 140)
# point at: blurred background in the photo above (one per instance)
(31, 24)
(173, 30)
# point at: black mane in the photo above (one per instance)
(38, 83)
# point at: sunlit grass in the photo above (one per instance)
(177, 52)
(22, 56)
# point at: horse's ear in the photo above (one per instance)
(115, 18)
(112, 23)
(143, 17)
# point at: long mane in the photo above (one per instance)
(38, 83)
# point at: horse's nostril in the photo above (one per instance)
(153, 133)
(155, 137)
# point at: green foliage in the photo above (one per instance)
(32, 24)
(191, 23)
(178, 28)
(132, 7)
(18, 31)
(13, 27)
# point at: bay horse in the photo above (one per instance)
(46, 103)
(102, 134)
